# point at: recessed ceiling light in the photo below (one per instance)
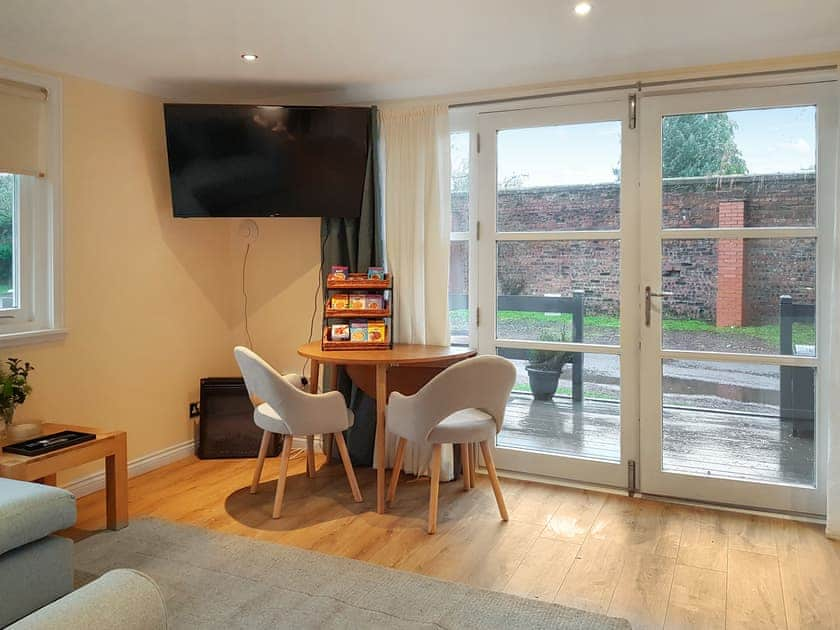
(250, 57)
(583, 8)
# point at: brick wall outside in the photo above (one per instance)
(560, 267)
(777, 267)
(690, 267)
(689, 271)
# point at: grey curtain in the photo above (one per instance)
(358, 244)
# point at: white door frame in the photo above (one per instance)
(652, 479)
(582, 109)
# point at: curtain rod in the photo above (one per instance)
(640, 85)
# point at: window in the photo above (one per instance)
(9, 241)
(30, 195)
(459, 243)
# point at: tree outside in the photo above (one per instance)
(699, 145)
(460, 178)
(6, 230)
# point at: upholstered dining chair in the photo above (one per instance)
(289, 411)
(464, 404)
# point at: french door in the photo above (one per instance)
(734, 284)
(556, 273)
(661, 288)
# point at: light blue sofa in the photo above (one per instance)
(36, 568)
(122, 598)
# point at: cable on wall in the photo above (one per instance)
(245, 297)
(249, 231)
(315, 299)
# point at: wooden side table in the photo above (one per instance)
(110, 445)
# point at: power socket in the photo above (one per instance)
(194, 410)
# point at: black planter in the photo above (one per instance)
(543, 382)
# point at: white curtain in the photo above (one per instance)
(415, 165)
(833, 472)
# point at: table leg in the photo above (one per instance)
(327, 438)
(310, 456)
(381, 402)
(116, 485)
(314, 375)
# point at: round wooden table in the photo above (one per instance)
(404, 368)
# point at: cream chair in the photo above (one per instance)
(463, 405)
(288, 411)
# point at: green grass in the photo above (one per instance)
(768, 333)
(567, 391)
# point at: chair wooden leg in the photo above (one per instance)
(327, 439)
(465, 464)
(348, 466)
(397, 469)
(281, 479)
(434, 489)
(473, 457)
(310, 456)
(255, 482)
(494, 479)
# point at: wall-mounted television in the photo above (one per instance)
(266, 161)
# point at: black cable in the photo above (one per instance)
(317, 293)
(245, 296)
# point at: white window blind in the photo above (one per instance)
(22, 128)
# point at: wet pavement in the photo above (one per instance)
(706, 443)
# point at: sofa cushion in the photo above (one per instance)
(30, 511)
(34, 575)
(122, 598)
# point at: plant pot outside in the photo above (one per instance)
(543, 382)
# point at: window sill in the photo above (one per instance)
(28, 337)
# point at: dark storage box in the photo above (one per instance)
(226, 426)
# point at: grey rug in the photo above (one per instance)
(214, 580)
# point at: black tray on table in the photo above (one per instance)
(48, 443)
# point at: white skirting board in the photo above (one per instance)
(300, 442)
(147, 463)
(96, 481)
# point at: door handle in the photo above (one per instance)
(650, 294)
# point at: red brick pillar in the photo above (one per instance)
(730, 259)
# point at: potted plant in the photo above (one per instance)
(545, 366)
(14, 389)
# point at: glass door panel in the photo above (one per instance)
(552, 190)
(557, 291)
(726, 420)
(728, 295)
(559, 177)
(576, 412)
(733, 189)
(461, 184)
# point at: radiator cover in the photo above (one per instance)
(226, 426)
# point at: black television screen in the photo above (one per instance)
(266, 161)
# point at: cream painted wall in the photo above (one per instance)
(281, 279)
(144, 308)
(152, 303)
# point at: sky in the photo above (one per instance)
(779, 140)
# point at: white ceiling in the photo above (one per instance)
(363, 49)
